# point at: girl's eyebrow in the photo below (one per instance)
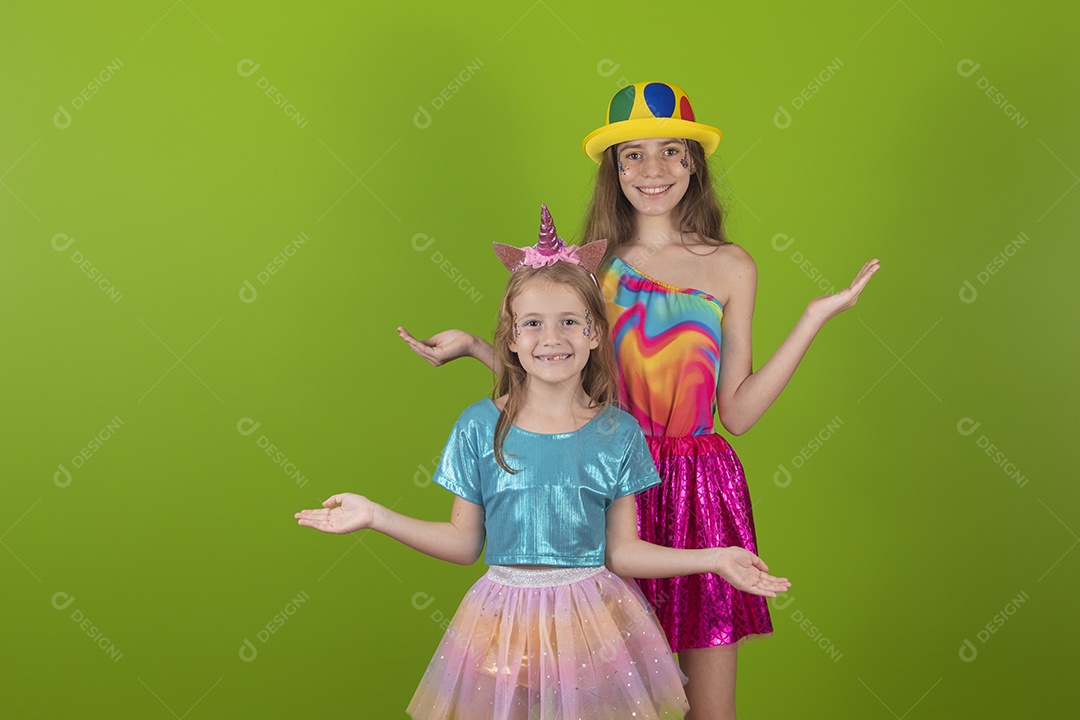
(542, 313)
(636, 144)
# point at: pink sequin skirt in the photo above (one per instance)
(553, 643)
(702, 502)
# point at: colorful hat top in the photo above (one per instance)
(649, 110)
(550, 249)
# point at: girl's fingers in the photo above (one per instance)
(311, 514)
(411, 341)
(415, 344)
(868, 271)
(424, 351)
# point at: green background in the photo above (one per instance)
(138, 145)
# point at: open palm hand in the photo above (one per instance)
(340, 514)
(441, 348)
(747, 572)
(829, 306)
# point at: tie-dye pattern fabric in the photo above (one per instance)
(667, 341)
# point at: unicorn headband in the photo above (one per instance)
(551, 249)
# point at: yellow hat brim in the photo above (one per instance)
(601, 139)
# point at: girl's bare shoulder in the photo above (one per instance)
(732, 256)
(729, 270)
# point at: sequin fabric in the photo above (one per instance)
(667, 345)
(703, 502)
(551, 644)
(552, 510)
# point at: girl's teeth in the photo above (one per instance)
(654, 191)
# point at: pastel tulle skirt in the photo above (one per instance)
(702, 502)
(555, 644)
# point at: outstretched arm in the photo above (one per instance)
(451, 345)
(458, 541)
(630, 556)
(743, 395)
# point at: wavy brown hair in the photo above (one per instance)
(599, 378)
(611, 216)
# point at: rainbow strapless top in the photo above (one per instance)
(667, 346)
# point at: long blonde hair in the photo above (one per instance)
(599, 379)
(611, 216)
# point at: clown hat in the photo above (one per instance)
(649, 110)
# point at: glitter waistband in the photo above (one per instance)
(540, 577)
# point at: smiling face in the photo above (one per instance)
(654, 173)
(553, 332)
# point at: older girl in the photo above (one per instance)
(680, 299)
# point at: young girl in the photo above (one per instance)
(680, 299)
(547, 472)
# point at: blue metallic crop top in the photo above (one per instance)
(552, 510)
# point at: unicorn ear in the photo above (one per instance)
(590, 255)
(509, 255)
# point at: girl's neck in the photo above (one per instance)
(654, 231)
(554, 408)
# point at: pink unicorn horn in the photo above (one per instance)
(550, 242)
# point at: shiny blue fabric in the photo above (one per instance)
(552, 510)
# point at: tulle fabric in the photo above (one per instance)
(702, 502)
(552, 644)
